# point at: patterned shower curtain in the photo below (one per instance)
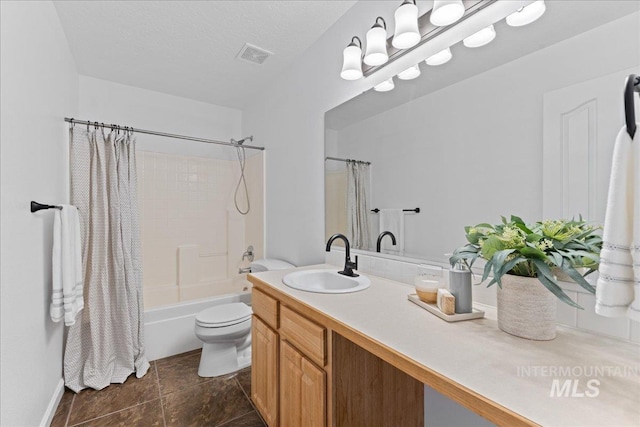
(358, 224)
(107, 344)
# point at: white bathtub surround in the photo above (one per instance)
(107, 345)
(192, 236)
(67, 298)
(618, 290)
(404, 270)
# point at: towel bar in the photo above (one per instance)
(35, 206)
(416, 210)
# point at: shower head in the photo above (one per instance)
(233, 141)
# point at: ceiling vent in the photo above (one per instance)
(254, 54)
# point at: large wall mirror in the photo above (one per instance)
(524, 125)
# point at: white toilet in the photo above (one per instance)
(225, 331)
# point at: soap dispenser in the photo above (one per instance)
(460, 287)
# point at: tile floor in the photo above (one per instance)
(170, 394)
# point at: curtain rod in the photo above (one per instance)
(151, 132)
(346, 160)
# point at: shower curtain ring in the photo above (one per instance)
(71, 123)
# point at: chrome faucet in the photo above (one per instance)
(348, 265)
(248, 255)
(385, 233)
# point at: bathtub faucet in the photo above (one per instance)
(248, 254)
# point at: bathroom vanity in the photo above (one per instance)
(363, 358)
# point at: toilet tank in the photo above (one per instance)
(269, 265)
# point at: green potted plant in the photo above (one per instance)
(524, 260)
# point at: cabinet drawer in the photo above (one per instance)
(265, 307)
(306, 335)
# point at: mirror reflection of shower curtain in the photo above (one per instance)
(358, 190)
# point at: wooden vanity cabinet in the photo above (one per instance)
(305, 374)
(287, 386)
(302, 390)
(264, 372)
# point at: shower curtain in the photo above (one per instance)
(358, 224)
(107, 345)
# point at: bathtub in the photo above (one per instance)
(169, 330)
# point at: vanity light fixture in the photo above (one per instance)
(410, 73)
(406, 34)
(446, 12)
(527, 14)
(385, 86)
(440, 58)
(481, 38)
(352, 60)
(376, 53)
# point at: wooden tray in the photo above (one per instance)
(433, 309)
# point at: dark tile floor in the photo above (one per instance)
(170, 394)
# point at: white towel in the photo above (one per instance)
(618, 286)
(67, 298)
(392, 220)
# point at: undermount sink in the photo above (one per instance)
(325, 282)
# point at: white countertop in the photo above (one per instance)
(513, 372)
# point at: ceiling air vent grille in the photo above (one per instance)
(254, 54)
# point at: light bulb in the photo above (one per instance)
(410, 73)
(481, 38)
(351, 65)
(385, 86)
(446, 12)
(527, 14)
(406, 34)
(376, 53)
(439, 58)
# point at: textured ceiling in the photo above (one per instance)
(188, 48)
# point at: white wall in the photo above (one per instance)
(288, 118)
(39, 86)
(472, 151)
(110, 102)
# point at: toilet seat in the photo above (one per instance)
(224, 315)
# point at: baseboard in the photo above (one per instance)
(53, 404)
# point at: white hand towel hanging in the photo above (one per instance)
(67, 298)
(618, 288)
(392, 220)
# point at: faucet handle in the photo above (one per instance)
(349, 266)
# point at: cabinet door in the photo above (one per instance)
(302, 390)
(264, 370)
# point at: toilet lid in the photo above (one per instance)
(224, 315)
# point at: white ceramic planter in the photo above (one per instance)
(526, 308)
